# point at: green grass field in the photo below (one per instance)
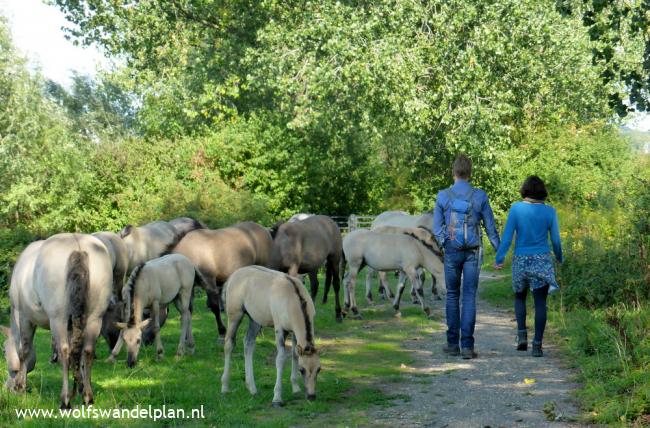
(357, 356)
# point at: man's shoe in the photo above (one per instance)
(452, 350)
(537, 350)
(468, 354)
(522, 340)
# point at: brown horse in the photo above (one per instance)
(218, 253)
(304, 246)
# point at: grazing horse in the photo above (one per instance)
(304, 246)
(184, 225)
(400, 219)
(272, 298)
(406, 251)
(158, 282)
(64, 279)
(119, 260)
(218, 253)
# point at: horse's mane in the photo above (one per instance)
(431, 248)
(309, 348)
(274, 229)
(128, 293)
(126, 231)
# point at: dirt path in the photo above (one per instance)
(500, 388)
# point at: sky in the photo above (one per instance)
(37, 33)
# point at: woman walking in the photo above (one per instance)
(532, 264)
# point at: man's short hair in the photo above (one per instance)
(534, 188)
(462, 167)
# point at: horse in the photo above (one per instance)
(65, 279)
(406, 251)
(400, 219)
(304, 246)
(299, 217)
(158, 282)
(218, 253)
(148, 242)
(272, 298)
(382, 275)
(184, 225)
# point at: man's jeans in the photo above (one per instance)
(467, 263)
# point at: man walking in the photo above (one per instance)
(457, 217)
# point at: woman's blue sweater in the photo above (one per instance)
(532, 222)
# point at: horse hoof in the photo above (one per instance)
(54, 359)
(89, 401)
(398, 314)
(65, 406)
(357, 316)
(396, 307)
(277, 404)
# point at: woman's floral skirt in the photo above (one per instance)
(533, 271)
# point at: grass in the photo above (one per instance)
(358, 357)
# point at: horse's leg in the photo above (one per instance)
(180, 351)
(155, 315)
(415, 279)
(336, 272)
(313, 282)
(329, 275)
(55, 354)
(249, 347)
(295, 374)
(25, 351)
(351, 290)
(280, 336)
(116, 350)
(400, 290)
(293, 269)
(383, 281)
(91, 333)
(214, 303)
(234, 319)
(369, 274)
(59, 330)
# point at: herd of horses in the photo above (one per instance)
(119, 285)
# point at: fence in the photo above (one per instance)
(353, 221)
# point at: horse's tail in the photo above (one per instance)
(128, 292)
(77, 284)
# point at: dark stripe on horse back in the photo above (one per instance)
(131, 284)
(430, 247)
(303, 306)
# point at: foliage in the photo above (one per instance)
(371, 99)
(620, 30)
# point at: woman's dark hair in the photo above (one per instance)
(534, 188)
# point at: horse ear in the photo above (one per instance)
(126, 231)
(144, 324)
(6, 331)
(299, 350)
(120, 325)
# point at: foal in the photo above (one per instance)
(270, 297)
(152, 285)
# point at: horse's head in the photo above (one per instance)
(309, 363)
(132, 336)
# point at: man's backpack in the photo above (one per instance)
(463, 228)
